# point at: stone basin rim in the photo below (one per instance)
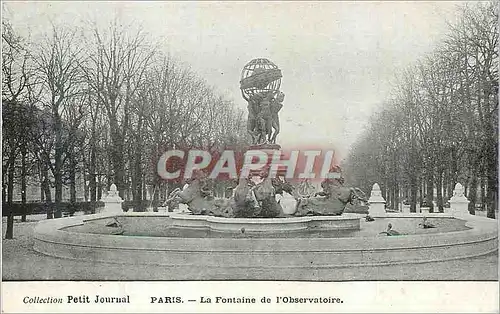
(63, 224)
(280, 220)
(54, 239)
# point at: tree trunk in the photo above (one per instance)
(446, 179)
(392, 195)
(46, 190)
(144, 188)
(413, 194)
(48, 193)
(492, 190)
(421, 189)
(99, 188)
(472, 191)
(117, 159)
(58, 180)
(439, 190)
(492, 196)
(430, 191)
(23, 182)
(453, 172)
(386, 194)
(395, 197)
(156, 196)
(472, 196)
(93, 183)
(86, 196)
(72, 186)
(41, 179)
(491, 149)
(4, 193)
(9, 232)
(58, 194)
(483, 193)
(72, 180)
(72, 189)
(137, 182)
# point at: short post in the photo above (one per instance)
(112, 201)
(459, 204)
(377, 202)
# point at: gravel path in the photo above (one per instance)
(21, 262)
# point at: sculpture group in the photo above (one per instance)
(255, 196)
(263, 123)
(260, 87)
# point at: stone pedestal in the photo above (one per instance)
(112, 201)
(459, 204)
(377, 202)
(269, 150)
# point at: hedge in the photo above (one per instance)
(42, 208)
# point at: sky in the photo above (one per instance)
(339, 60)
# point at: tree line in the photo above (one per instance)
(440, 125)
(103, 103)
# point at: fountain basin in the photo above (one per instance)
(266, 225)
(55, 238)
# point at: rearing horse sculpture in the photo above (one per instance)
(332, 200)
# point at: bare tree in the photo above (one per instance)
(58, 69)
(447, 127)
(116, 66)
(17, 115)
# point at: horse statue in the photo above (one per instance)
(250, 199)
(245, 201)
(199, 198)
(281, 185)
(304, 190)
(258, 199)
(172, 201)
(331, 201)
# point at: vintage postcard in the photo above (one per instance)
(220, 156)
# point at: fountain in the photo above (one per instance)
(255, 195)
(251, 229)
